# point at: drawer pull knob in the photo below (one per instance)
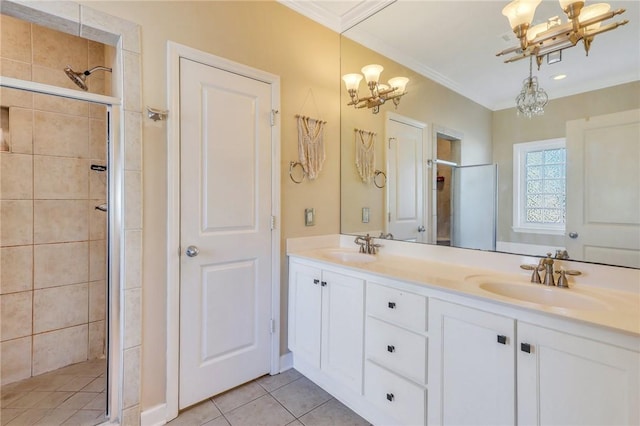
(390, 397)
(502, 339)
(525, 347)
(323, 283)
(391, 305)
(391, 348)
(316, 281)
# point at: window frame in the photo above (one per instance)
(520, 151)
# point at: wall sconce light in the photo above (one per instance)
(380, 93)
(584, 23)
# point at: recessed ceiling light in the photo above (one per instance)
(559, 76)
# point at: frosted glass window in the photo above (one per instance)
(539, 186)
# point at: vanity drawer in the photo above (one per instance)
(399, 307)
(397, 349)
(397, 397)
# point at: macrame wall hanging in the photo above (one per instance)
(365, 154)
(310, 145)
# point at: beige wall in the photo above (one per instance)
(53, 241)
(508, 128)
(264, 35)
(425, 101)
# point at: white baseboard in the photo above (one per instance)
(154, 416)
(286, 361)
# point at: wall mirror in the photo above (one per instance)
(439, 167)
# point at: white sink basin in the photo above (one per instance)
(351, 256)
(543, 295)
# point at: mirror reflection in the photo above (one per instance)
(444, 169)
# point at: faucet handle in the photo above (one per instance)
(535, 275)
(562, 279)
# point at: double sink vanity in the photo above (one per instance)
(417, 335)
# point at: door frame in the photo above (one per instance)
(176, 51)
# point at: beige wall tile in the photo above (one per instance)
(97, 343)
(15, 315)
(97, 220)
(131, 416)
(16, 360)
(60, 178)
(16, 176)
(132, 200)
(96, 54)
(133, 254)
(15, 98)
(98, 184)
(62, 15)
(97, 260)
(60, 307)
(97, 300)
(21, 127)
(15, 69)
(57, 221)
(16, 265)
(132, 317)
(54, 49)
(61, 105)
(131, 365)
(52, 350)
(98, 111)
(61, 135)
(60, 264)
(133, 136)
(16, 223)
(16, 39)
(132, 96)
(98, 139)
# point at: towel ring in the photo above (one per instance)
(292, 165)
(375, 178)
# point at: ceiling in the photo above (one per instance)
(454, 43)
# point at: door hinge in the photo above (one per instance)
(273, 223)
(272, 325)
(273, 116)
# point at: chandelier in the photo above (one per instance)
(532, 98)
(380, 93)
(584, 23)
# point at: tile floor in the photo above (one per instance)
(288, 398)
(72, 395)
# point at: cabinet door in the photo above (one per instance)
(305, 297)
(569, 380)
(343, 329)
(471, 366)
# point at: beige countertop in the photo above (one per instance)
(610, 308)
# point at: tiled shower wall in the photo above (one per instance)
(52, 239)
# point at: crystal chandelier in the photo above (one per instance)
(380, 93)
(583, 23)
(532, 98)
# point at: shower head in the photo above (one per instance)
(80, 78)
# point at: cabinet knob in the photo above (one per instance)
(525, 347)
(391, 348)
(323, 283)
(502, 339)
(316, 281)
(391, 305)
(390, 397)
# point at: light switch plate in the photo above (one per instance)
(365, 215)
(309, 217)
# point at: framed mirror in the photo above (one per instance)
(452, 150)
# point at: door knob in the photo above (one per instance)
(573, 235)
(192, 251)
(421, 228)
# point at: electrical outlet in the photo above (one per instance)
(309, 217)
(365, 215)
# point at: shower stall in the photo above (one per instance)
(53, 227)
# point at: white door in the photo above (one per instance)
(405, 184)
(225, 214)
(603, 207)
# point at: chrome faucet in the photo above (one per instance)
(366, 244)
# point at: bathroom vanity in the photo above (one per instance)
(409, 340)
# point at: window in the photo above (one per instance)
(539, 182)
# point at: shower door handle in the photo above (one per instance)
(192, 251)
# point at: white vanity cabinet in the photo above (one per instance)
(326, 323)
(478, 358)
(396, 353)
(565, 379)
(472, 366)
